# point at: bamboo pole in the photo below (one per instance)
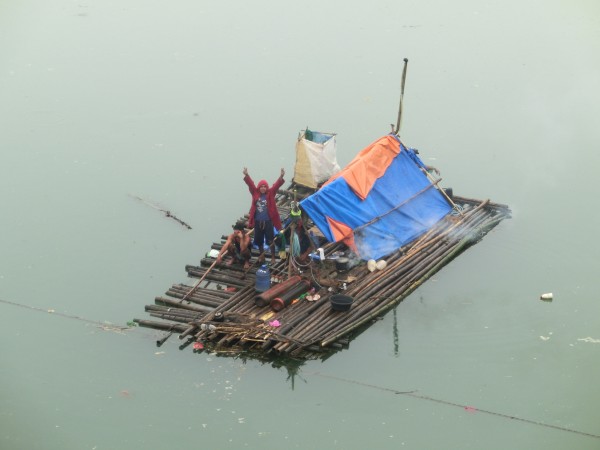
(201, 279)
(219, 294)
(189, 330)
(360, 310)
(197, 300)
(170, 317)
(398, 122)
(434, 181)
(221, 278)
(159, 325)
(309, 328)
(201, 297)
(178, 304)
(378, 311)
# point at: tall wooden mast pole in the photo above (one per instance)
(397, 130)
(292, 234)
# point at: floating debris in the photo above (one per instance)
(125, 393)
(590, 340)
(167, 213)
(546, 297)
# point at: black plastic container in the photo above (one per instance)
(341, 302)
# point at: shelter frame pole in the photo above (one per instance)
(397, 130)
(292, 236)
(433, 180)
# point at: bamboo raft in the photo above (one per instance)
(219, 313)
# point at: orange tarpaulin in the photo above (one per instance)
(342, 232)
(369, 165)
(381, 201)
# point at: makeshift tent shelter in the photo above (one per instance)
(315, 158)
(381, 201)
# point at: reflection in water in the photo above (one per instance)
(395, 330)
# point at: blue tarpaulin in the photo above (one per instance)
(400, 203)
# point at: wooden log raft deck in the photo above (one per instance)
(221, 315)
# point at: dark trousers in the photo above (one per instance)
(239, 256)
(263, 233)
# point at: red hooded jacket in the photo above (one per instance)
(271, 206)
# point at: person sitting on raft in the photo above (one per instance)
(263, 214)
(301, 245)
(238, 246)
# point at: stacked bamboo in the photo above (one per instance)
(223, 315)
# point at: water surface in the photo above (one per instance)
(170, 101)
